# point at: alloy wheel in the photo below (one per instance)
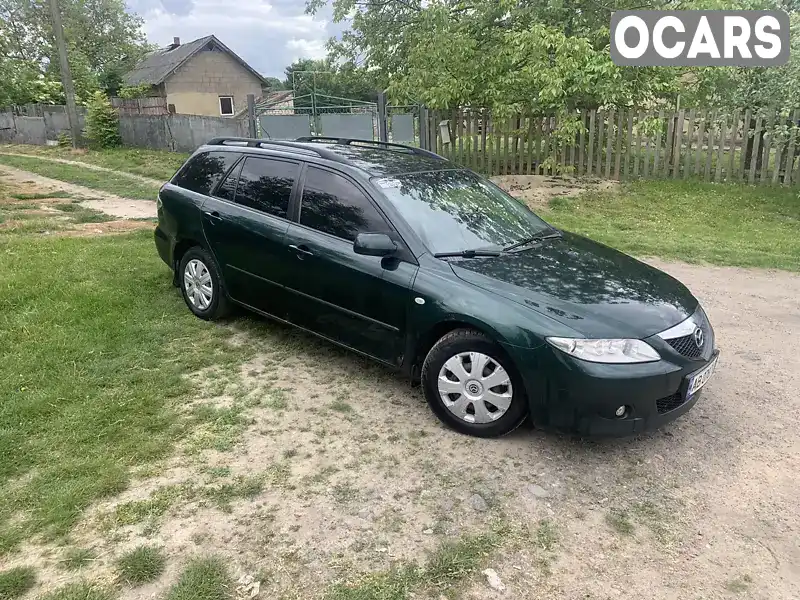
(475, 387)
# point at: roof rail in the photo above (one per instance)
(288, 145)
(386, 145)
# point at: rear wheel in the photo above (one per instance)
(471, 385)
(201, 285)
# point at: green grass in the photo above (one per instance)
(696, 222)
(546, 535)
(76, 558)
(82, 214)
(15, 582)
(620, 522)
(157, 164)
(241, 487)
(92, 365)
(79, 591)
(444, 571)
(120, 185)
(141, 565)
(203, 579)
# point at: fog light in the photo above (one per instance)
(621, 411)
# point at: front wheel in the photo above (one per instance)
(471, 385)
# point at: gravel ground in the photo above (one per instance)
(360, 476)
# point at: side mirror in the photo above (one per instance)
(374, 244)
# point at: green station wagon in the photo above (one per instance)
(398, 254)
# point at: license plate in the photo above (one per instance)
(700, 378)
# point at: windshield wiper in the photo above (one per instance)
(534, 238)
(467, 254)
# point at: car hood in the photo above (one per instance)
(593, 289)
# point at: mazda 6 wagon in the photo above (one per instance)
(400, 255)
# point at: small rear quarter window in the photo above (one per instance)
(204, 171)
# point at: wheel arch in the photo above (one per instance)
(426, 340)
(181, 247)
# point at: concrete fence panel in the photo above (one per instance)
(8, 128)
(30, 130)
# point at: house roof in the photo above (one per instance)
(159, 65)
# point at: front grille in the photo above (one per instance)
(668, 403)
(685, 346)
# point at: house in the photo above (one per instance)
(203, 77)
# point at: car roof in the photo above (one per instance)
(377, 159)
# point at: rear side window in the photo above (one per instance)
(204, 171)
(333, 205)
(266, 185)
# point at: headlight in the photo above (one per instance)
(606, 351)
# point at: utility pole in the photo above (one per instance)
(66, 75)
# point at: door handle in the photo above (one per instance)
(301, 251)
(213, 216)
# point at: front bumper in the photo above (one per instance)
(569, 394)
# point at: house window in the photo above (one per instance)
(226, 106)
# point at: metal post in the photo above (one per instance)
(66, 75)
(424, 139)
(251, 115)
(314, 102)
(383, 130)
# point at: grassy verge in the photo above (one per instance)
(691, 221)
(158, 164)
(94, 346)
(120, 185)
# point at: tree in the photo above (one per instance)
(329, 81)
(102, 122)
(513, 54)
(104, 42)
(274, 84)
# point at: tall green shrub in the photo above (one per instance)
(102, 122)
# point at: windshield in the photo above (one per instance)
(454, 211)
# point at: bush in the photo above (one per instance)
(102, 122)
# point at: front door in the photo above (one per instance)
(245, 222)
(359, 301)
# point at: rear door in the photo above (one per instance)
(359, 301)
(245, 222)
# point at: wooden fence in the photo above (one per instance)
(627, 143)
(153, 105)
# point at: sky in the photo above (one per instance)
(267, 34)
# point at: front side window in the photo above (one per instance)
(454, 211)
(204, 171)
(333, 205)
(266, 185)
(226, 106)
(227, 189)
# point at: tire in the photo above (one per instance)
(209, 303)
(469, 407)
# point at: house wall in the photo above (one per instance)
(196, 86)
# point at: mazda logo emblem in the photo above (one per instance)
(699, 336)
